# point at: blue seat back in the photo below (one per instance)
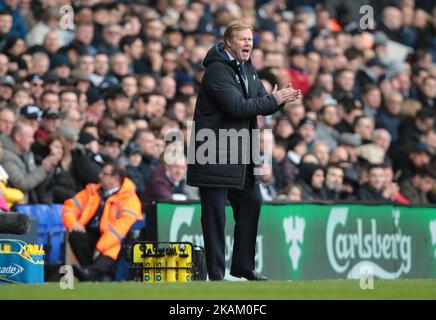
(122, 272)
(51, 231)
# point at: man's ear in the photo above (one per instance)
(226, 43)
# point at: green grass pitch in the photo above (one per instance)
(243, 290)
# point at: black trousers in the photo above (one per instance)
(83, 246)
(246, 205)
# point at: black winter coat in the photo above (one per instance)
(223, 103)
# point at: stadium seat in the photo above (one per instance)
(51, 231)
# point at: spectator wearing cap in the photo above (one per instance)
(52, 83)
(7, 84)
(36, 85)
(186, 86)
(134, 158)
(81, 80)
(110, 147)
(370, 74)
(307, 129)
(417, 189)
(199, 70)
(417, 157)
(96, 106)
(328, 60)
(49, 124)
(20, 165)
(60, 66)
(411, 130)
(69, 136)
(30, 114)
(328, 118)
(86, 160)
(351, 141)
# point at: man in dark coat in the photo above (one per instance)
(374, 190)
(230, 98)
(311, 180)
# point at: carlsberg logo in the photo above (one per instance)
(352, 250)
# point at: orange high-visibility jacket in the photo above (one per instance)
(121, 210)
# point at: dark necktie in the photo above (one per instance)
(243, 75)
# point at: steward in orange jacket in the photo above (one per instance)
(98, 218)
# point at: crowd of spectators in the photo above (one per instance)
(127, 73)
